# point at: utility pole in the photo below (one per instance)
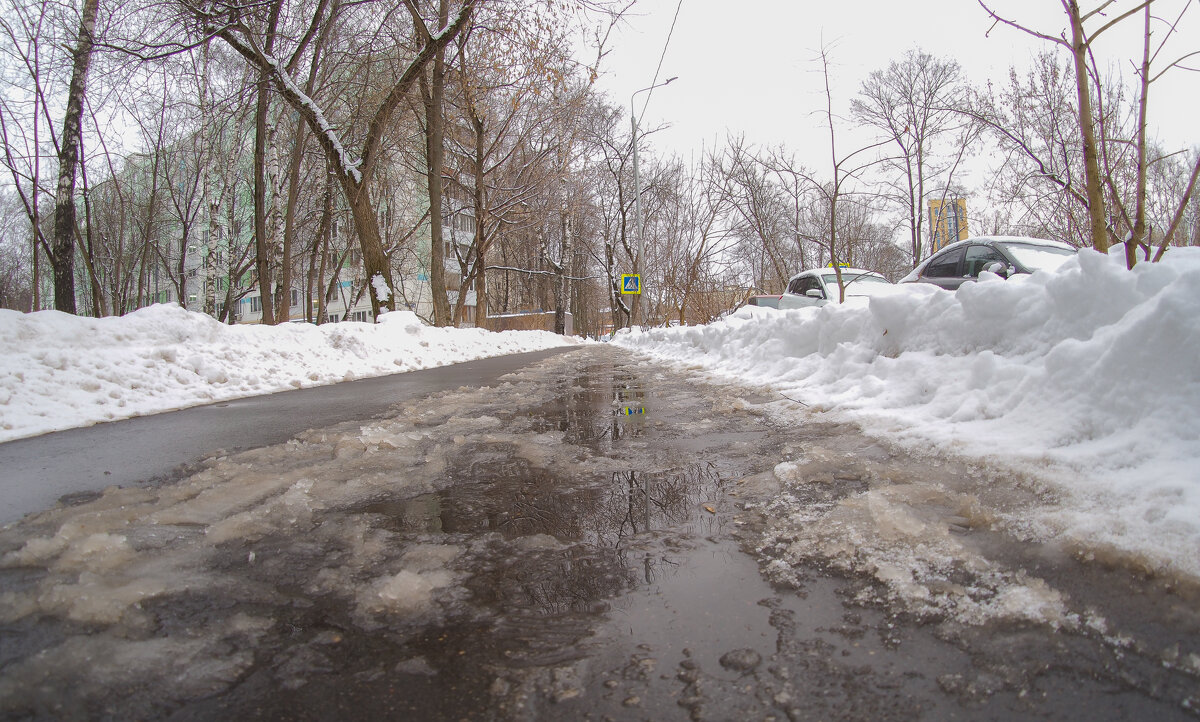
(637, 193)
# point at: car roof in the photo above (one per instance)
(990, 240)
(826, 269)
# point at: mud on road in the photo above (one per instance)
(598, 537)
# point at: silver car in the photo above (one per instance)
(1005, 256)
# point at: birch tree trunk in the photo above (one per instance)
(63, 257)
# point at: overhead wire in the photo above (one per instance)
(661, 57)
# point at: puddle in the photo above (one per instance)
(472, 532)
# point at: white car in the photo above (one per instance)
(819, 286)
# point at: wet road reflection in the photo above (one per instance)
(423, 564)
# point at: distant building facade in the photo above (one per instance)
(947, 221)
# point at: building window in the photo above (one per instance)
(255, 304)
(463, 222)
(295, 297)
(362, 316)
(331, 318)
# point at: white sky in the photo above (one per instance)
(749, 66)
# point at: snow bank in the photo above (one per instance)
(1088, 377)
(61, 371)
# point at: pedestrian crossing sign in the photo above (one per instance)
(631, 283)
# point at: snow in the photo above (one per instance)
(382, 291)
(1085, 379)
(60, 371)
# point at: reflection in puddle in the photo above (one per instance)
(477, 531)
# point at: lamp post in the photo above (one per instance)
(637, 185)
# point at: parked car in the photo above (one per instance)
(819, 286)
(1005, 256)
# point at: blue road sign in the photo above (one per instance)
(631, 283)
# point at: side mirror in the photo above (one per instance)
(814, 293)
(997, 268)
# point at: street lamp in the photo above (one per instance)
(637, 185)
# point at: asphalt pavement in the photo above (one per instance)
(36, 472)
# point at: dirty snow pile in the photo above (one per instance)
(60, 371)
(1087, 378)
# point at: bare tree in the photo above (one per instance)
(696, 240)
(913, 104)
(517, 110)
(759, 213)
(30, 34)
(16, 281)
(254, 41)
(846, 170)
(1100, 194)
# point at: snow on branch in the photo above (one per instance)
(282, 78)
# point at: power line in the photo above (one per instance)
(658, 69)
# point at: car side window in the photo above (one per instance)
(944, 265)
(810, 284)
(978, 257)
(794, 286)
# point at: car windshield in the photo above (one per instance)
(1038, 257)
(849, 277)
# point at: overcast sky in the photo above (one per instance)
(749, 66)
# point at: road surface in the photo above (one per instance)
(588, 537)
(35, 472)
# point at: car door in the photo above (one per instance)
(945, 269)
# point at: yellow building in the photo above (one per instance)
(948, 219)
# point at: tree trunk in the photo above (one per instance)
(1139, 222)
(481, 240)
(275, 180)
(1087, 130)
(289, 219)
(562, 286)
(375, 260)
(262, 237)
(434, 140)
(99, 305)
(262, 247)
(63, 258)
(321, 249)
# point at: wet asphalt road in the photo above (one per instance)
(589, 537)
(36, 471)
